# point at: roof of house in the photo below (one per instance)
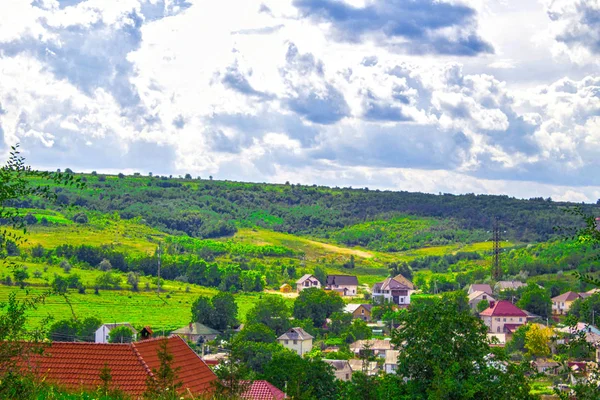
(545, 363)
(481, 287)
(568, 296)
(305, 277)
(404, 281)
(110, 327)
(357, 365)
(295, 334)
(346, 280)
(478, 293)
(262, 390)
(503, 308)
(511, 328)
(375, 344)
(195, 328)
(391, 357)
(350, 308)
(504, 285)
(74, 365)
(338, 365)
(397, 282)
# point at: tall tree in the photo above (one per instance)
(444, 353)
(317, 304)
(536, 300)
(271, 311)
(225, 309)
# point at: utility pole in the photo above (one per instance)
(158, 273)
(496, 269)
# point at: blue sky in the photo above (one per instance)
(483, 96)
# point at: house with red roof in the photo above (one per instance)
(77, 365)
(503, 317)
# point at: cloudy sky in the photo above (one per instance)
(484, 96)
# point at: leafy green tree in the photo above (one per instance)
(444, 353)
(88, 328)
(120, 334)
(536, 300)
(317, 305)
(20, 275)
(537, 340)
(483, 305)
(225, 311)
(66, 330)
(133, 279)
(256, 332)
(60, 285)
(340, 321)
(586, 310)
(320, 274)
(360, 330)
(203, 311)
(271, 311)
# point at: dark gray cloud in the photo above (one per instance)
(322, 103)
(580, 24)
(419, 23)
(236, 80)
(88, 57)
(379, 110)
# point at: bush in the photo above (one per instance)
(105, 265)
(101, 178)
(66, 266)
(30, 219)
(133, 280)
(38, 251)
(11, 248)
(108, 281)
(37, 274)
(80, 218)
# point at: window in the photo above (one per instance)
(295, 342)
(401, 299)
(498, 319)
(286, 342)
(498, 329)
(484, 297)
(520, 319)
(347, 376)
(504, 320)
(362, 311)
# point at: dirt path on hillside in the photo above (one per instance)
(342, 250)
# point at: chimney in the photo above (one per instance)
(492, 304)
(191, 327)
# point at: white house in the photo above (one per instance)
(103, 332)
(296, 339)
(476, 297)
(306, 282)
(341, 368)
(396, 290)
(391, 361)
(345, 285)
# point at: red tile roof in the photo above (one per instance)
(503, 308)
(78, 365)
(263, 390)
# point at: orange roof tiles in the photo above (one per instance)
(78, 365)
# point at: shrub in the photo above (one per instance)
(66, 266)
(80, 218)
(105, 265)
(38, 251)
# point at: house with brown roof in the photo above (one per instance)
(508, 285)
(480, 287)
(306, 282)
(296, 339)
(341, 369)
(369, 368)
(262, 390)
(359, 311)
(562, 303)
(503, 317)
(77, 365)
(345, 285)
(478, 296)
(377, 347)
(395, 290)
(103, 333)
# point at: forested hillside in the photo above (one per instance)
(370, 218)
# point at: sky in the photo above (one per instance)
(439, 96)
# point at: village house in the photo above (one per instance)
(503, 317)
(480, 287)
(296, 339)
(395, 290)
(478, 296)
(77, 365)
(508, 285)
(369, 368)
(306, 282)
(285, 288)
(103, 333)
(376, 347)
(547, 367)
(562, 303)
(196, 331)
(391, 361)
(359, 311)
(345, 285)
(341, 369)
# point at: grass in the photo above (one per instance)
(138, 308)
